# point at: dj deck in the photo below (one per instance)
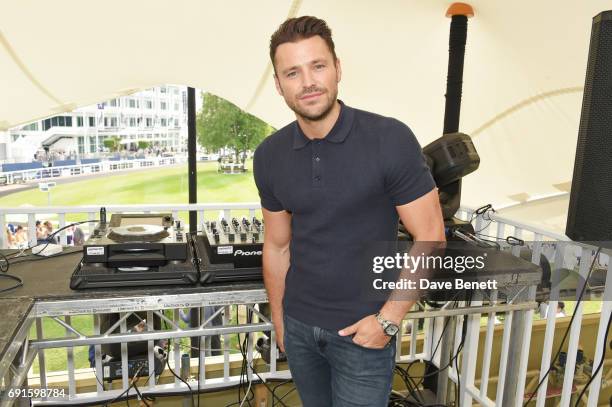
(153, 249)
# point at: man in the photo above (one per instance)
(332, 183)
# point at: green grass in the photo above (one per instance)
(57, 359)
(154, 186)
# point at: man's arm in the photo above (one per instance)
(277, 236)
(423, 220)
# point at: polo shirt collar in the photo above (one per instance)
(337, 134)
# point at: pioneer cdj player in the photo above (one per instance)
(135, 250)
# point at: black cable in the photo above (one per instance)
(458, 386)
(126, 391)
(36, 257)
(97, 378)
(180, 378)
(49, 241)
(552, 363)
(19, 282)
(249, 315)
(142, 398)
(433, 354)
(277, 386)
(245, 366)
(599, 365)
(413, 387)
(481, 212)
(511, 240)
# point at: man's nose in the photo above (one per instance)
(307, 79)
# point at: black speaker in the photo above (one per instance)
(590, 209)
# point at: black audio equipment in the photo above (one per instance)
(135, 250)
(590, 208)
(113, 370)
(230, 251)
(238, 242)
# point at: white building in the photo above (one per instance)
(157, 116)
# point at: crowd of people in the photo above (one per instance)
(54, 155)
(17, 235)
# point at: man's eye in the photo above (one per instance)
(291, 74)
(319, 66)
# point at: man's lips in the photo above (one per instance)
(311, 95)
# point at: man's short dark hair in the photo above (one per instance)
(300, 28)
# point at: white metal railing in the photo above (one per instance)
(92, 212)
(557, 248)
(561, 253)
(47, 173)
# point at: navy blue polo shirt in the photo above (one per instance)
(342, 191)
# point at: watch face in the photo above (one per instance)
(391, 329)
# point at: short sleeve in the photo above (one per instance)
(406, 174)
(262, 177)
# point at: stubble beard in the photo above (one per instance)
(314, 117)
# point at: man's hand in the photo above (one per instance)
(279, 329)
(368, 333)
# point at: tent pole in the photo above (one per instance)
(191, 157)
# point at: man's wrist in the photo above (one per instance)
(389, 327)
(390, 317)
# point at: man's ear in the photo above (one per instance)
(277, 84)
(338, 71)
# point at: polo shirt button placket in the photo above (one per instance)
(316, 167)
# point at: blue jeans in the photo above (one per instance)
(331, 370)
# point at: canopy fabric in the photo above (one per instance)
(524, 69)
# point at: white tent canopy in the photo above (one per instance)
(524, 69)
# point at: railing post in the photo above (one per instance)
(606, 309)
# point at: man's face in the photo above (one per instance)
(307, 77)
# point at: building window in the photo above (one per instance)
(132, 122)
(149, 104)
(149, 122)
(176, 106)
(92, 144)
(163, 89)
(79, 121)
(57, 121)
(132, 103)
(92, 121)
(113, 103)
(81, 143)
(162, 105)
(164, 122)
(30, 127)
(110, 122)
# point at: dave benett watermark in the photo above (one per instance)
(430, 264)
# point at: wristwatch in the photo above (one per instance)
(389, 328)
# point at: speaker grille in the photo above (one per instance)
(590, 209)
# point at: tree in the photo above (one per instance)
(142, 145)
(221, 124)
(113, 143)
